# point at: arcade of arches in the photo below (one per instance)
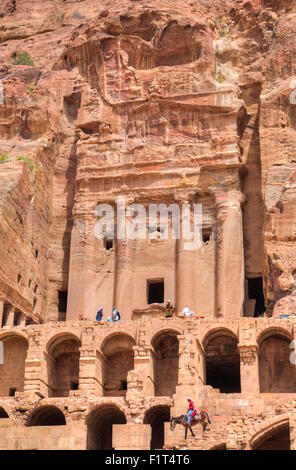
(114, 386)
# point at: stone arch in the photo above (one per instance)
(12, 371)
(3, 413)
(161, 331)
(217, 329)
(122, 331)
(100, 422)
(5, 410)
(165, 345)
(47, 415)
(118, 359)
(273, 435)
(58, 337)
(222, 360)
(273, 330)
(156, 417)
(276, 372)
(62, 359)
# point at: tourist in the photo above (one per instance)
(99, 314)
(187, 312)
(108, 320)
(169, 309)
(190, 410)
(115, 315)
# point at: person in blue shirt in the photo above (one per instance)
(115, 315)
(99, 314)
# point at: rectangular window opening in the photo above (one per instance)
(12, 392)
(63, 296)
(255, 291)
(155, 292)
(74, 385)
(206, 235)
(108, 244)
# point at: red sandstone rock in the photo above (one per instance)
(158, 103)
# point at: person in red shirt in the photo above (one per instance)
(190, 410)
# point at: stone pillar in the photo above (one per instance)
(91, 364)
(123, 286)
(189, 377)
(35, 366)
(185, 271)
(10, 317)
(143, 362)
(229, 255)
(124, 258)
(249, 368)
(82, 298)
(131, 436)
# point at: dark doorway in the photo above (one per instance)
(223, 363)
(100, 427)
(156, 417)
(47, 416)
(3, 413)
(63, 296)
(155, 292)
(108, 244)
(276, 440)
(166, 363)
(255, 291)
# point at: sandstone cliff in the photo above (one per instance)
(208, 81)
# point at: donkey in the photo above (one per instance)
(202, 418)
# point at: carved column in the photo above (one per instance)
(123, 279)
(189, 378)
(185, 270)
(249, 368)
(10, 317)
(35, 365)
(143, 363)
(82, 298)
(229, 255)
(91, 364)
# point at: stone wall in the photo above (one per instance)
(97, 405)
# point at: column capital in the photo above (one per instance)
(227, 199)
(184, 197)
